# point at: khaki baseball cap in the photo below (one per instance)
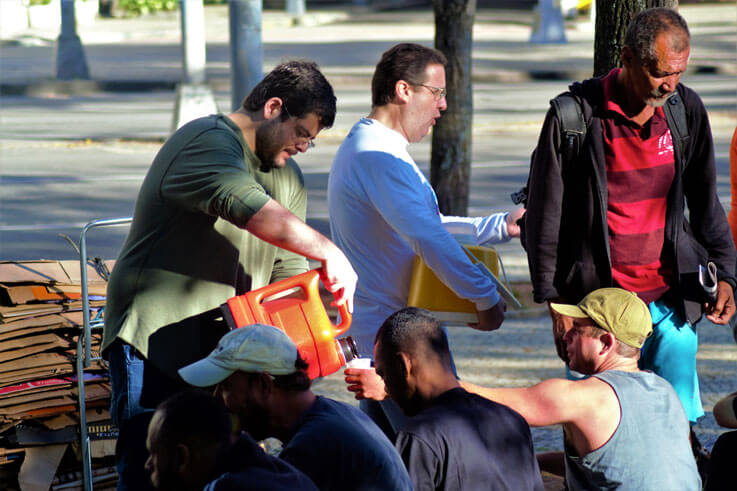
(618, 311)
(254, 348)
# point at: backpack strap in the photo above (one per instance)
(675, 113)
(567, 109)
(573, 127)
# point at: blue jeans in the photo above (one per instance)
(137, 388)
(670, 352)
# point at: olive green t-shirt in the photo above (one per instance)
(187, 251)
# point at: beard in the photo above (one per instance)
(409, 401)
(268, 145)
(658, 98)
(255, 420)
(585, 367)
(170, 480)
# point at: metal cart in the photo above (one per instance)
(84, 351)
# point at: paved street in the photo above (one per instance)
(73, 152)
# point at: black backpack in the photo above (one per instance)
(573, 128)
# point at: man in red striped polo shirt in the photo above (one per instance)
(614, 214)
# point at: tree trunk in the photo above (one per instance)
(612, 19)
(450, 161)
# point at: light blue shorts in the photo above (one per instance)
(671, 353)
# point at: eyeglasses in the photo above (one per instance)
(302, 132)
(437, 92)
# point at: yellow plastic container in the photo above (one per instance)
(428, 292)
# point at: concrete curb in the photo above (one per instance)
(50, 87)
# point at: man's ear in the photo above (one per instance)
(273, 108)
(182, 458)
(402, 91)
(608, 342)
(405, 364)
(627, 56)
(254, 384)
(264, 384)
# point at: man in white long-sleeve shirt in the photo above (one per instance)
(383, 210)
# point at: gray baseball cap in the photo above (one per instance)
(254, 348)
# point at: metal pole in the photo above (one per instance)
(548, 25)
(193, 41)
(194, 97)
(87, 327)
(246, 48)
(83, 434)
(296, 10)
(84, 344)
(85, 295)
(70, 60)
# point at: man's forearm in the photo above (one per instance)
(511, 397)
(540, 404)
(278, 226)
(486, 392)
(490, 229)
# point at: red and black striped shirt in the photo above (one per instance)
(640, 170)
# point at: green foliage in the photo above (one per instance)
(142, 7)
(31, 3)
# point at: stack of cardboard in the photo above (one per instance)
(40, 324)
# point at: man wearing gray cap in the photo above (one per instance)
(623, 428)
(261, 378)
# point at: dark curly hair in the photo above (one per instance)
(213, 426)
(297, 381)
(414, 330)
(302, 88)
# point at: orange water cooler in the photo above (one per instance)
(294, 306)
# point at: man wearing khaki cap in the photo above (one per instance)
(623, 428)
(261, 378)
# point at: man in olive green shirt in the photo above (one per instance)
(220, 212)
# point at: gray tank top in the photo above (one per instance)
(649, 450)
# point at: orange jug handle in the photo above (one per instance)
(345, 316)
(302, 281)
(345, 319)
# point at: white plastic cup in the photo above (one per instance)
(362, 363)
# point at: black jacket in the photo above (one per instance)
(567, 238)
